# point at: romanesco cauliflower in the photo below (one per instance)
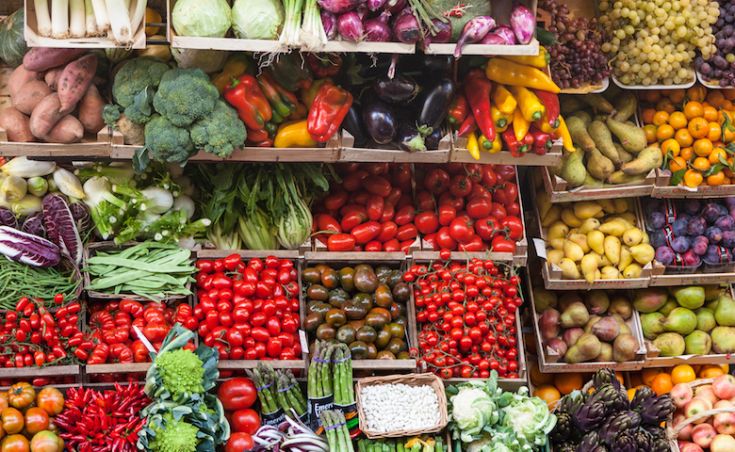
(181, 371)
(174, 436)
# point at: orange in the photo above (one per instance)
(710, 113)
(727, 105)
(676, 95)
(670, 146)
(702, 147)
(711, 371)
(650, 95)
(677, 164)
(687, 153)
(664, 132)
(701, 164)
(684, 137)
(567, 383)
(696, 93)
(661, 117)
(677, 120)
(716, 154)
(693, 178)
(715, 97)
(548, 394)
(683, 373)
(728, 93)
(647, 115)
(537, 377)
(662, 384)
(715, 131)
(665, 105)
(648, 375)
(698, 127)
(717, 178)
(631, 393)
(650, 131)
(693, 109)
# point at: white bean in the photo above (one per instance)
(392, 407)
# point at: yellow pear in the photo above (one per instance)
(581, 240)
(625, 258)
(586, 209)
(621, 205)
(604, 261)
(633, 236)
(612, 249)
(568, 217)
(642, 253)
(610, 272)
(573, 251)
(552, 215)
(595, 241)
(569, 269)
(590, 224)
(632, 271)
(607, 205)
(615, 227)
(557, 230)
(554, 256)
(557, 244)
(590, 263)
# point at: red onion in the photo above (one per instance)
(362, 12)
(474, 31)
(506, 33)
(374, 5)
(338, 6)
(493, 38)
(350, 27)
(443, 32)
(329, 22)
(396, 6)
(523, 22)
(406, 28)
(377, 29)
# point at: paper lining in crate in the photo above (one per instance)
(558, 190)
(426, 379)
(390, 153)
(91, 249)
(460, 154)
(664, 189)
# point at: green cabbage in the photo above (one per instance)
(206, 18)
(257, 19)
(472, 410)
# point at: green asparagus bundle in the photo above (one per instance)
(335, 427)
(344, 391)
(264, 378)
(319, 378)
(288, 394)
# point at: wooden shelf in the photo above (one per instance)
(484, 49)
(663, 189)
(556, 187)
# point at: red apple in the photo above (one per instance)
(685, 446)
(697, 406)
(685, 434)
(724, 386)
(681, 394)
(703, 434)
(706, 392)
(725, 423)
(722, 443)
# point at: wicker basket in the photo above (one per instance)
(426, 379)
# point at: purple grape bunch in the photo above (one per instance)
(720, 68)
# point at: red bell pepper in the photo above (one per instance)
(515, 147)
(551, 103)
(458, 110)
(326, 113)
(477, 89)
(248, 99)
(541, 141)
(527, 143)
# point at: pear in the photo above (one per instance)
(648, 159)
(650, 299)
(652, 324)
(698, 343)
(578, 131)
(712, 292)
(597, 301)
(681, 320)
(573, 170)
(620, 178)
(624, 348)
(621, 306)
(725, 312)
(606, 353)
(567, 299)
(625, 106)
(574, 315)
(602, 137)
(586, 348)
(631, 137)
(625, 156)
(599, 166)
(723, 339)
(670, 344)
(690, 297)
(598, 102)
(591, 182)
(543, 299)
(705, 319)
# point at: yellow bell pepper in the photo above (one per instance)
(500, 119)
(566, 137)
(234, 67)
(293, 135)
(504, 100)
(496, 146)
(473, 146)
(540, 61)
(511, 73)
(543, 125)
(530, 105)
(520, 125)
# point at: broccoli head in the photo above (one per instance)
(136, 75)
(219, 133)
(166, 142)
(141, 110)
(182, 372)
(111, 114)
(185, 96)
(174, 436)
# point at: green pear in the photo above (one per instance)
(649, 300)
(669, 306)
(631, 137)
(652, 324)
(725, 312)
(705, 319)
(723, 339)
(698, 343)
(543, 299)
(681, 320)
(712, 292)
(670, 344)
(691, 297)
(573, 170)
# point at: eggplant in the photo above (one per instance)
(432, 140)
(397, 90)
(379, 121)
(353, 124)
(409, 138)
(436, 104)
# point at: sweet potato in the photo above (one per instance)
(26, 99)
(90, 110)
(67, 130)
(43, 58)
(74, 81)
(15, 125)
(52, 76)
(45, 116)
(19, 77)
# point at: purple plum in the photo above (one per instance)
(726, 223)
(728, 239)
(730, 202)
(699, 245)
(717, 255)
(691, 206)
(665, 255)
(696, 226)
(714, 234)
(657, 238)
(656, 220)
(680, 244)
(680, 226)
(690, 259)
(712, 211)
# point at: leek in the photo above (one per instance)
(313, 36)
(292, 24)
(43, 19)
(60, 19)
(77, 21)
(119, 21)
(100, 13)
(91, 21)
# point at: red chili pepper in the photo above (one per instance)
(477, 90)
(515, 147)
(467, 126)
(551, 104)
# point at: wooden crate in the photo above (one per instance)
(397, 260)
(501, 10)
(460, 154)
(663, 189)
(558, 190)
(393, 155)
(89, 251)
(329, 153)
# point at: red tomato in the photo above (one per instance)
(447, 213)
(501, 244)
(246, 420)
(461, 230)
(479, 207)
(425, 200)
(426, 222)
(445, 240)
(486, 228)
(405, 215)
(489, 177)
(460, 186)
(436, 181)
(239, 442)
(388, 231)
(15, 443)
(237, 393)
(46, 441)
(513, 226)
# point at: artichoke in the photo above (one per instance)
(604, 376)
(642, 394)
(643, 439)
(565, 447)
(659, 441)
(564, 428)
(621, 422)
(571, 402)
(625, 442)
(591, 443)
(614, 399)
(590, 416)
(657, 410)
